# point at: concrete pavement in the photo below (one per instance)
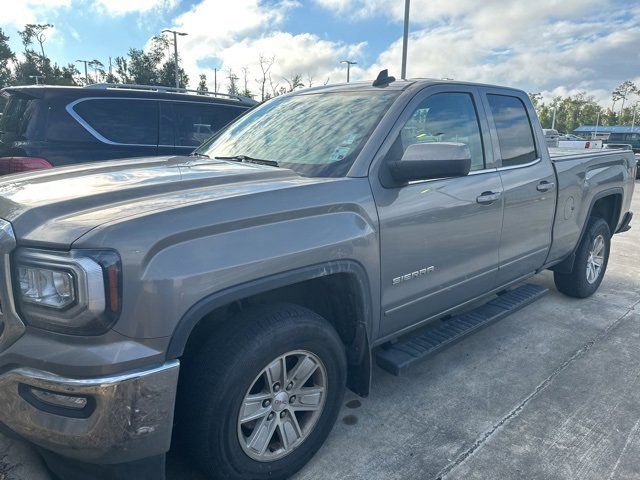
(552, 391)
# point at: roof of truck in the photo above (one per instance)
(397, 85)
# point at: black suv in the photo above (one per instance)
(45, 126)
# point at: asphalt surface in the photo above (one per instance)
(553, 391)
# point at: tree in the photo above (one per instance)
(97, 66)
(623, 92)
(245, 91)
(35, 31)
(294, 83)
(265, 67)
(202, 85)
(6, 58)
(232, 87)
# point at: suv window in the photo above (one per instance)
(121, 120)
(17, 114)
(196, 122)
(515, 134)
(443, 117)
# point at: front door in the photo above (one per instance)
(439, 238)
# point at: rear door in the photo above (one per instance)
(528, 181)
(438, 238)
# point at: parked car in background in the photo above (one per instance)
(632, 139)
(625, 146)
(46, 126)
(245, 286)
(551, 136)
(570, 137)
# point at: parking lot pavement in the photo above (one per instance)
(552, 391)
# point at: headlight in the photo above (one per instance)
(46, 287)
(75, 292)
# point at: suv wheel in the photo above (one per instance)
(590, 263)
(259, 400)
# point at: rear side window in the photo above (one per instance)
(132, 122)
(194, 123)
(515, 134)
(17, 114)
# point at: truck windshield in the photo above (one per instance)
(317, 134)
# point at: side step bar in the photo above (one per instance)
(411, 349)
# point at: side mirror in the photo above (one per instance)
(424, 161)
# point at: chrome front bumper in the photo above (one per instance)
(125, 417)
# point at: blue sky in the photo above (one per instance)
(551, 47)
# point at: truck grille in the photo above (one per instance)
(11, 327)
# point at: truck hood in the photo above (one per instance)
(55, 207)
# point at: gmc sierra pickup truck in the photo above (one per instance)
(220, 303)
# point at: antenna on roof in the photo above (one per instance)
(383, 79)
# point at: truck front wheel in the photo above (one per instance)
(259, 400)
(590, 263)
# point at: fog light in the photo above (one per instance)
(59, 399)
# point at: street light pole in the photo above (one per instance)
(553, 122)
(86, 75)
(175, 52)
(405, 40)
(349, 63)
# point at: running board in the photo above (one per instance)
(408, 350)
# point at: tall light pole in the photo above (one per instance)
(553, 122)
(86, 75)
(175, 51)
(405, 40)
(349, 63)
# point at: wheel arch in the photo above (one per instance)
(350, 311)
(607, 205)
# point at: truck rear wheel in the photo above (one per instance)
(259, 400)
(590, 264)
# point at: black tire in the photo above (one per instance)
(216, 379)
(575, 283)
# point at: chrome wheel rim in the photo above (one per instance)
(282, 406)
(595, 259)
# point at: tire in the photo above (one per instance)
(232, 365)
(580, 282)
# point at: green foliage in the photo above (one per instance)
(582, 109)
(7, 57)
(202, 85)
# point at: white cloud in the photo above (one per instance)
(234, 35)
(549, 46)
(123, 7)
(18, 13)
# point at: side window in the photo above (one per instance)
(194, 123)
(167, 125)
(515, 134)
(443, 117)
(133, 122)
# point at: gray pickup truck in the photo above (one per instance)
(220, 303)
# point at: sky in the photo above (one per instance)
(548, 46)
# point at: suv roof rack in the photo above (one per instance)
(163, 89)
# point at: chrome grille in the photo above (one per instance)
(11, 327)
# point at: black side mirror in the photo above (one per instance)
(424, 161)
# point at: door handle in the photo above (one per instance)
(487, 198)
(545, 186)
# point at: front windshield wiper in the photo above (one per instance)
(245, 159)
(199, 155)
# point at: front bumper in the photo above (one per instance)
(125, 417)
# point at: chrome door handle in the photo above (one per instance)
(487, 198)
(545, 186)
